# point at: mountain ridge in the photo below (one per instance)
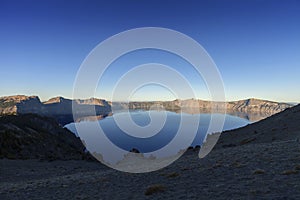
(247, 105)
(63, 109)
(21, 104)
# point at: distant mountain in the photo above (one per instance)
(61, 108)
(248, 105)
(293, 103)
(32, 136)
(55, 107)
(283, 126)
(20, 104)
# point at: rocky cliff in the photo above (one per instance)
(244, 106)
(257, 105)
(62, 108)
(21, 104)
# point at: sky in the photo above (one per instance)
(254, 43)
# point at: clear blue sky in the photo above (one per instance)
(254, 43)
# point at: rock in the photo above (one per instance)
(259, 171)
(134, 150)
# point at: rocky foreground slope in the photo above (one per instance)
(31, 136)
(283, 126)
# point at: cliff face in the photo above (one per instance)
(256, 105)
(56, 106)
(244, 106)
(20, 104)
(248, 105)
(59, 106)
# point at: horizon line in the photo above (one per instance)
(125, 101)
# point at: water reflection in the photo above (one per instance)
(148, 147)
(250, 116)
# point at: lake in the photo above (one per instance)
(89, 130)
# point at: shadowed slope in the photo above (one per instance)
(32, 136)
(283, 126)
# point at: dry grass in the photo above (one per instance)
(246, 141)
(237, 164)
(289, 172)
(217, 165)
(155, 189)
(173, 175)
(170, 175)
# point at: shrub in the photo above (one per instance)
(289, 172)
(297, 167)
(154, 189)
(172, 175)
(259, 171)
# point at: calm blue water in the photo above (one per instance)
(142, 118)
